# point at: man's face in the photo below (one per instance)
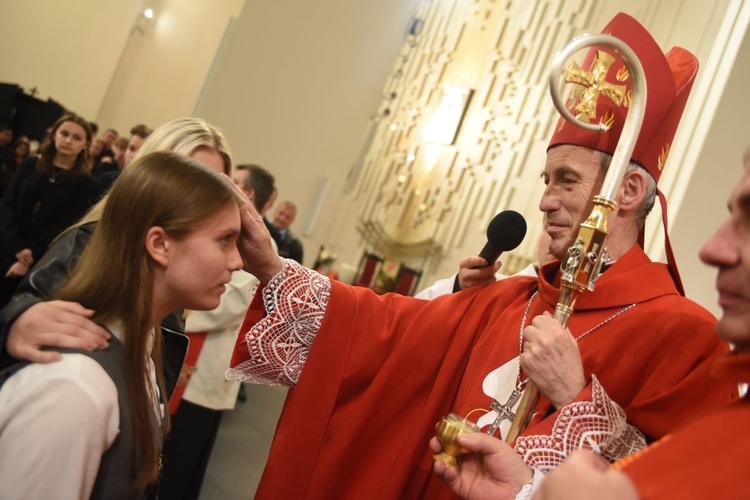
(729, 251)
(96, 148)
(134, 145)
(572, 175)
(240, 178)
(284, 216)
(110, 137)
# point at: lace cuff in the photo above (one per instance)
(295, 301)
(599, 425)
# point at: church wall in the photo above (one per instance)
(107, 62)
(66, 50)
(166, 63)
(294, 89)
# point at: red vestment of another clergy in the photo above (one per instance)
(707, 458)
(384, 369)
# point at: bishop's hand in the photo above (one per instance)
(492, 469)
(552, 361)
(254, 243)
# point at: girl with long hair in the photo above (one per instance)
(45, 195)
(98, 418)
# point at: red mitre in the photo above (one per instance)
(669, 80)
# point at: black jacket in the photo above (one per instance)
(35, 209)
(43, 279)
(288, 245)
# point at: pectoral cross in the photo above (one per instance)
(504, 412)
(595, 84)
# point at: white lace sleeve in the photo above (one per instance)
(599, 425)
(295, 301)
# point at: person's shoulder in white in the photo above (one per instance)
(445, 285)
(56, 421)
(440, 287)
(531, 271)
(232, 307)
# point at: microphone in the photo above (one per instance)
(505, 232)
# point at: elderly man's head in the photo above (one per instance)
(578, 159)
(284, 215)
(573, 175)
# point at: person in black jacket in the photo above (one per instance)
(45, 195)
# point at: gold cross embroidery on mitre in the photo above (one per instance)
(594, 84)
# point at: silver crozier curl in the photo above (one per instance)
(585, 257)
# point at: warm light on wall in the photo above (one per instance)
(443, 125)
(142, 22)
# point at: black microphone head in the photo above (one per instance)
(507, 230)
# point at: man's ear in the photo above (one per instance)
(158, 245)
(632, 190)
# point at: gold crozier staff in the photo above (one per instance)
(585, 258)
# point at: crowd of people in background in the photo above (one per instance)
(50, 186)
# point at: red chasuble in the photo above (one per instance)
(707, 458)
(384, 369)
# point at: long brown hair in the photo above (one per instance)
(164, 190)
(48, 150)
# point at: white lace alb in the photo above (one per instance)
(599, 425)
(295, 301)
